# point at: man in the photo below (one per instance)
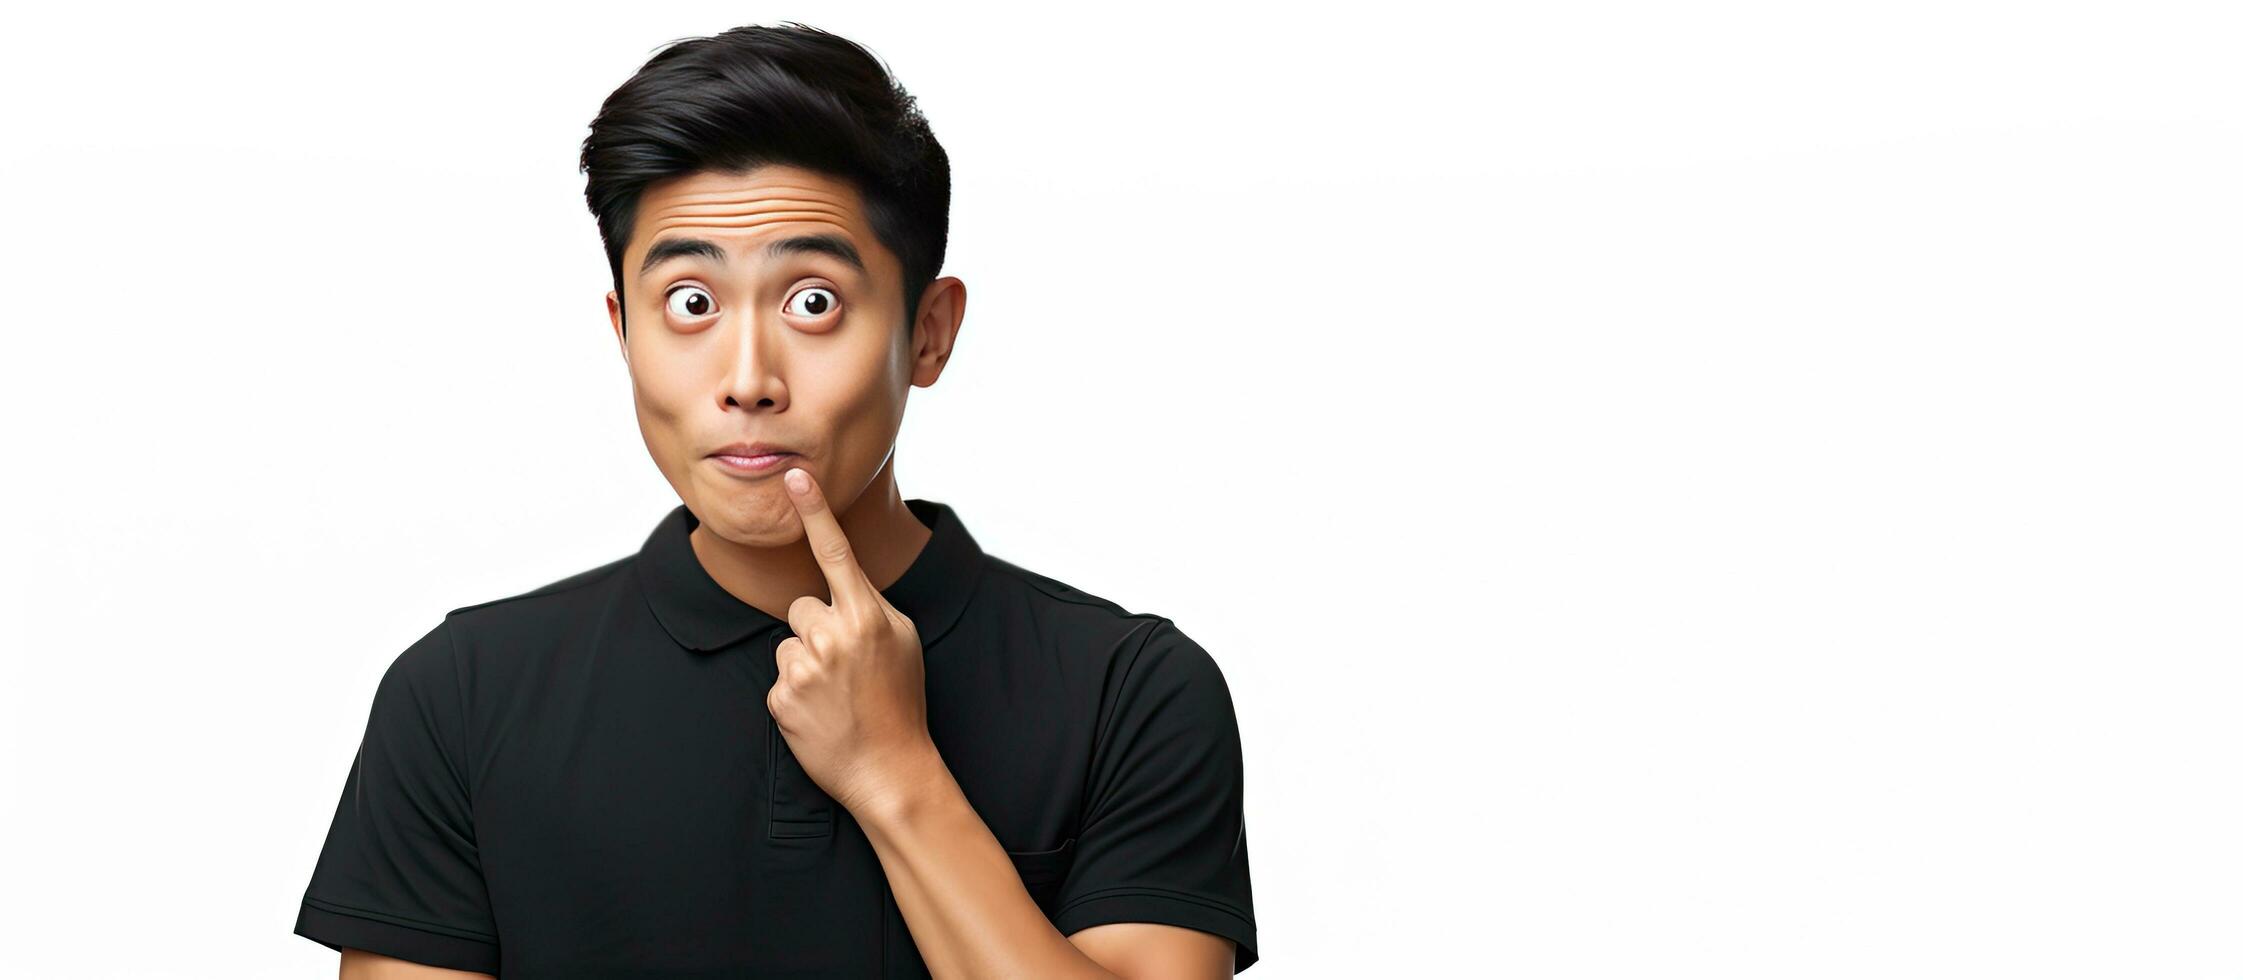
(809, 728)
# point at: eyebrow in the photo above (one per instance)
(675, 248)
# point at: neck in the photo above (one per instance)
(883, 532)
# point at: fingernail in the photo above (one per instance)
(798, 481)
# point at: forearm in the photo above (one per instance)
(964, 903)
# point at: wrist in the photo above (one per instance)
(914, 781)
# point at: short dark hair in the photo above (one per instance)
(791, 94)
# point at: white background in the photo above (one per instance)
(1706, 490)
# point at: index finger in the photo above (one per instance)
(843, 576)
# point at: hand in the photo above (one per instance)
(851, 698)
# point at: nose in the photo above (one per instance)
(752, 362)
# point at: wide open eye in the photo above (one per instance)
(814, 301)
(695, 303)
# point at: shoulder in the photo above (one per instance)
(1066, 617)
(558, 591)
(548, 608)
(1056, 607)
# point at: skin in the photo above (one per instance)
(752, 363)
(851, 701)
(359, 964)
(756, 367)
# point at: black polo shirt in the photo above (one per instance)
(583, 779)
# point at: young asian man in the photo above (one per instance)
(809, 728)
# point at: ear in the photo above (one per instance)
(615, 320)
(942, 309)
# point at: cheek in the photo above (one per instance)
(845, 383)
(868, 406)
(662, 389)
(661, 405)
(654, 395)
(861, 421)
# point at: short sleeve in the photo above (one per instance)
(1163, 837)
(399, 874)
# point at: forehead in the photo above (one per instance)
(737, 207)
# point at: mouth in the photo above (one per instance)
(752, 460)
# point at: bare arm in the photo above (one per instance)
(971, 916)
(359, 964)
(1156, 949)
(851, 701)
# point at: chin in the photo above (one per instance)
(757, 514)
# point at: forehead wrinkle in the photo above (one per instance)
(756, 212)
(737, 209)
(749, 202)
(723, 220)
(753, 204)
(734, 254)
(761, 190)
(745, 223)
(727, 217)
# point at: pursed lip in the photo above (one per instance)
(751, 449)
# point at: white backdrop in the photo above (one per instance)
(1708, 490)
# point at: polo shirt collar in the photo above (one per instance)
(700, 615)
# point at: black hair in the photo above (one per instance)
(791, 94)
